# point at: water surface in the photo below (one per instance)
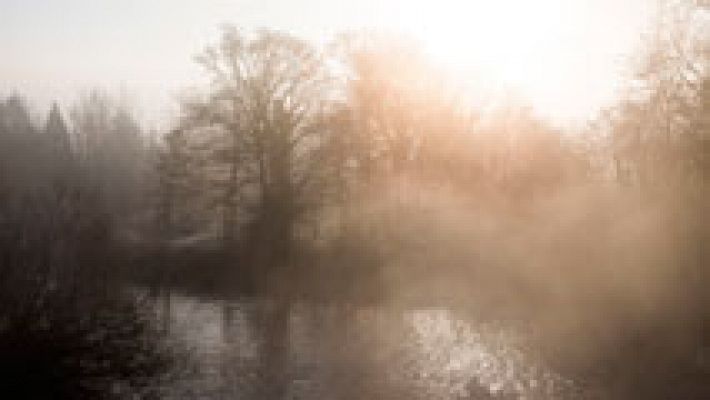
(338, 352)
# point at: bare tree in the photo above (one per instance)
(660, 130)
(264, 108)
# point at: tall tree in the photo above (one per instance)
(176, 183)
(265, 107)
(56, 130)
(112, 153)
(657, 130)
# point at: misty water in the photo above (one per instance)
(359, 353)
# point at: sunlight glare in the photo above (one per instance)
(520, 45)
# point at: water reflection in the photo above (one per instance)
(338, 352)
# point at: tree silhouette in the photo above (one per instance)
(264, 108)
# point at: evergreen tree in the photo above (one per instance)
(56, 130)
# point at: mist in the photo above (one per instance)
(353, 220)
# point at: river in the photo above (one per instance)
(334, 352)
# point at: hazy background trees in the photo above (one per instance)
(68, 191)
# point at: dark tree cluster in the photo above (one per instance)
(67, 329)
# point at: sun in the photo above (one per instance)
(519, 45)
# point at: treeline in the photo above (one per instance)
(290, 145)
(68, 328)
(66, 189)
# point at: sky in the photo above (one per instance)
(566, 56)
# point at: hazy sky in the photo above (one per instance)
(565, 54)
